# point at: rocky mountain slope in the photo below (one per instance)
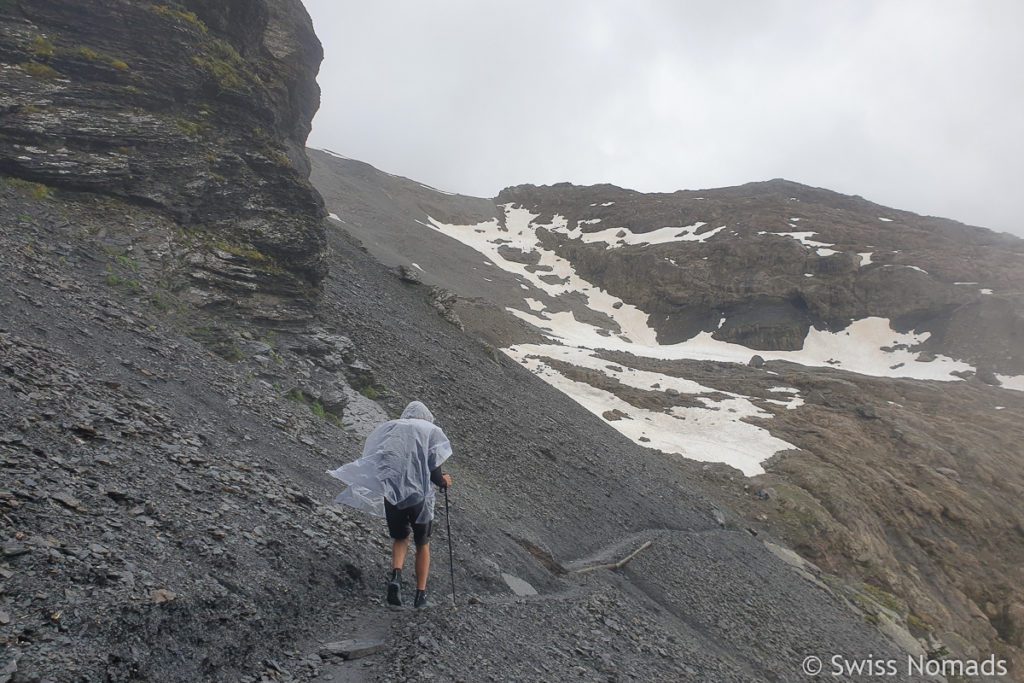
(860, 365)
(185, 348)
(199, 109)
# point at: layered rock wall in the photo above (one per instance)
(788, 257)
(199, 109)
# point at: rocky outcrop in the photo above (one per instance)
(199, 109)
(914, 491)
(844, 258)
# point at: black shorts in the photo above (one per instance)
(399, 522)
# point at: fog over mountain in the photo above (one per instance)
(910, 104)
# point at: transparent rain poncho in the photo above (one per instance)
(396, 465)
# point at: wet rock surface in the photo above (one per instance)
(201, 109)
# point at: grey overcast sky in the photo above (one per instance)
(915, 104)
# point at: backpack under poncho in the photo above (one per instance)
(396, 464)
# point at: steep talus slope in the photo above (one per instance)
(199, 108)
(542, 486)
(875, 437)
(164, 514)
(166, 517)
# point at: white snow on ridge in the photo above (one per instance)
(335, 155)
(706, 435)
(334, 216)
(613, 239)
(885, 220)
(434, 189)
(903, 265)
(801, 237)
(520, 233)
(858, 348)
(534, 304)
(714, 432)
(1011, 382)
(865, 257)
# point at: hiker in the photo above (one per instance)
(393, 479)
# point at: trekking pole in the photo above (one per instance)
(451, 555)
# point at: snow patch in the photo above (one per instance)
(335, 155)
(713, 431)
(1015, 382)
(865, 257)
(434, 189)
(713, 434)
(885, 220)
(801, 237)
(534, 304)
(985, 291)
(522, 234)
(614, 238)
(334, 217)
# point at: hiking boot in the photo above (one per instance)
(395, 593)
(421, 601)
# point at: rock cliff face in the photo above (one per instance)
(794, 257)
(199, 109)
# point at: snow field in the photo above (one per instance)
(715, 432)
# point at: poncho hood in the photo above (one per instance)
(417, 410)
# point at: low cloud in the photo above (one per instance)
(912, 104)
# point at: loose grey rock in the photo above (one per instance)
(353, 649)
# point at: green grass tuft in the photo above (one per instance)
(180, 16)
(318, 409)
(41, 71)
(35, 190)
(42, 48)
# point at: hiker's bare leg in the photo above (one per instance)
(398, 551)
(422, 565)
